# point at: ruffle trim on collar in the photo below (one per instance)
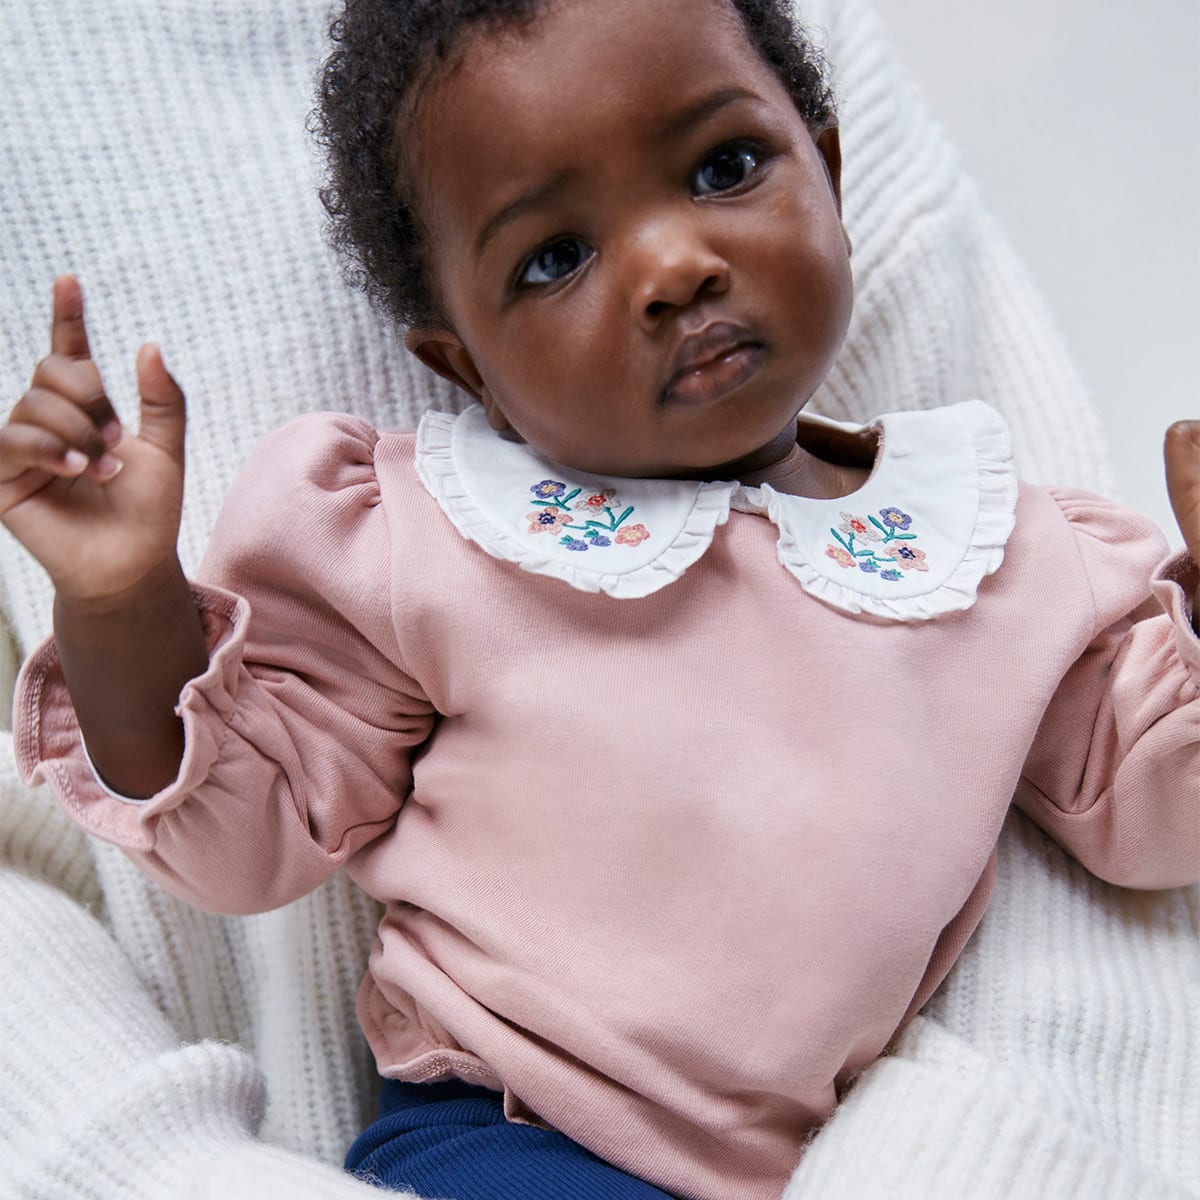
(562, 515)
(974, 514)
(914, 542)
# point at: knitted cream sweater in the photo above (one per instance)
(149, 1051)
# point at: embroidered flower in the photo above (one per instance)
(858, 527)
(895, 518)
(547, 520)
(593, 522)
(877, 547)
(908, 557)
(598, 500)
(632, 535)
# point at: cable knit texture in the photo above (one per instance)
(149, 1051)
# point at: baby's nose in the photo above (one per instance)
(674, 265)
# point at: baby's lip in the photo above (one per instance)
(706, 345)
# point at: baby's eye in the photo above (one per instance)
(725, 169)
(554, 261)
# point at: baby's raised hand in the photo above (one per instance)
(97, 507)
(1181, 453)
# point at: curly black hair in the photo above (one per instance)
(381, 51)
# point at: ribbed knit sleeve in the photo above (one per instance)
(1114, 773)
(298, 735)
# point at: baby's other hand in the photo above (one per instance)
(96, 506)
(1181, 453)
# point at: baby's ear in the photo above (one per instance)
(829, 146)
(441, 351)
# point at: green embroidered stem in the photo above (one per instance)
(614, 522)
(889, 532)
(560, 502)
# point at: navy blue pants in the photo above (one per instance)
(451, 1141)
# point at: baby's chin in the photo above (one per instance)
(708, 464)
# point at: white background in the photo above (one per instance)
(1080, 119)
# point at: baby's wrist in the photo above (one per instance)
(106, 601)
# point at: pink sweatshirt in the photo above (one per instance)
(676, 826)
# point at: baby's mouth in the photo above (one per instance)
(711, 363)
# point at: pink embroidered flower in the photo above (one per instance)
(860, 527)
(908, 557)
(598, 500)
(631, 535)
(547, 520)
(840, 556)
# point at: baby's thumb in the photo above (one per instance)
(163, 414)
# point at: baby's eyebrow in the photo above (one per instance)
(680, 123)
(676, 125)
(537, 195)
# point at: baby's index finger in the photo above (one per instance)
(68, 334)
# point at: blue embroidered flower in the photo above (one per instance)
(895, 518)
(869, 567)
(598, 539)
(574, 543)
(891, 575)
(548, 489)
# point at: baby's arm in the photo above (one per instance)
(100, 512)
(1114, 770)
(299, 731)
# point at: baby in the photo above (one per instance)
(673, 732)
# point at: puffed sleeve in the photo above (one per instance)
(299, 735)
(1114, 771)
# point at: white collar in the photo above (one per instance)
(913, 542)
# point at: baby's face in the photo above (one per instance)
(635, 238)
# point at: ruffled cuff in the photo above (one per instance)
(49, 749)
(1174, 585)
